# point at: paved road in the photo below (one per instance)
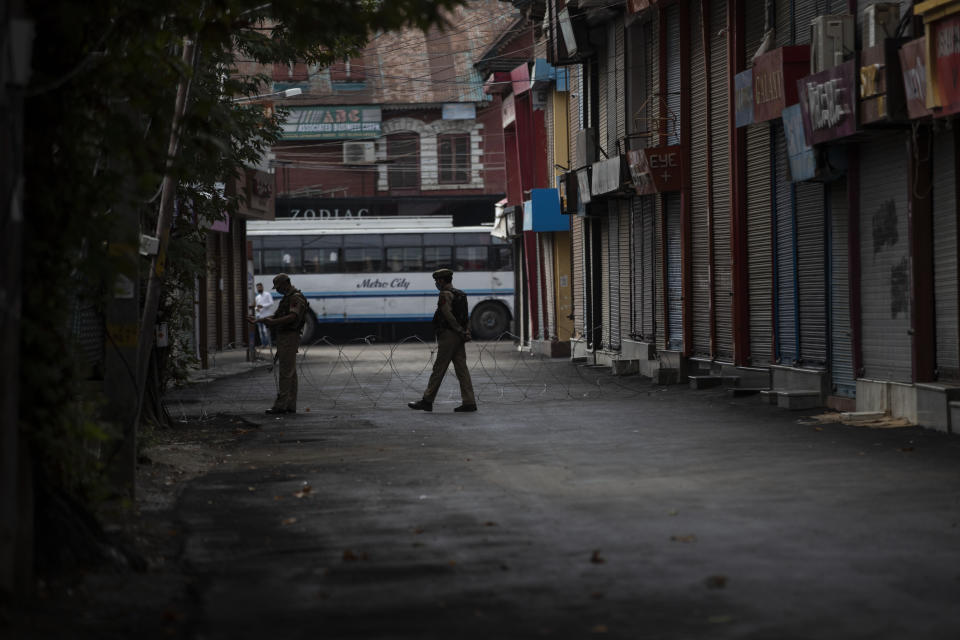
(573, 505)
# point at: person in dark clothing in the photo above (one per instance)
(451, 326)
(288, 322)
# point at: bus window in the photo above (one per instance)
(257, 269)
(326, 260)
(362, 259)
(471, 259)
(436, 257)
(281, 261)
(362, 253)
(404, 259)
(501, 258)
(321, 254)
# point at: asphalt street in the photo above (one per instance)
(574, 504)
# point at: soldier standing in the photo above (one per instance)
(288, 321)
(451, 328)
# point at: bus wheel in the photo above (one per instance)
(309, 328)
(488, 321)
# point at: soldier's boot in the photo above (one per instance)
(466, 407)
(422, 405)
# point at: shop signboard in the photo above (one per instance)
(913, 61)
(803, 162)
(946, 48)
(828, 103)
(335, 122)
(656, 169)
(606, 176)
(508, 110)
(881, 89)
(743, 95)
(775, 76)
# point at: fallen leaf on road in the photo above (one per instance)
(489, 523)
(251, 488)
(599, 628)
(906, 449)
(719, 619)
(287, 521)
(597, 595)
(305, 490)
(688, 538)
(350, 556)
(596, 558)
(418, 531)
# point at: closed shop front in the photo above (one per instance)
(759, 211)
(946, 281)
(720, 181)
(699, 190)
(784, 255)
(613, 275)
(643, 252)
(843, 380)
(812, 282)
(674, 273)
(885, 259)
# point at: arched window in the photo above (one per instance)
(403, 155)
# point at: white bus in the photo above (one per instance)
(379, 269)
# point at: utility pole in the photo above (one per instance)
(148, 323)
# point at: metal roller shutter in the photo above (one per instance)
(604, 278)
(603, 94)
(575, 121)
(785, 302)
(759, 243)
(578, 268)
(673, 74)
(842, 376)
(536, 288)
(643, 252)
(720, 182)
(784, 22)
(885, 260)
(674, 273)
(660, 275)
(811, 273)
(550, 315)
(650, 319)
(620, 81)
(699, 189)
(945, 274)
(626, 286)
(613, 274)
(803, 13)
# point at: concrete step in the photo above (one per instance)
(666, 375)
(795, 400)
(704, 382)
(740, 392)
(799, 400)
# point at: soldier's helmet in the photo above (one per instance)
(444, 274)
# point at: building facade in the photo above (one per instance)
(761, 193)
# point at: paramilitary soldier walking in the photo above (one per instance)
(288, 320)
(450, 326)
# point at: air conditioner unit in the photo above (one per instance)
(831, 40)
(880, 22)
(586, 146)
(359, 153)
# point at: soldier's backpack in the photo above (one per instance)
(459, 308)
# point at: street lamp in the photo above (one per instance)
(286, 93)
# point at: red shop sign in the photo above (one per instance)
(656, 170)
(946, 47)
(775, 76)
